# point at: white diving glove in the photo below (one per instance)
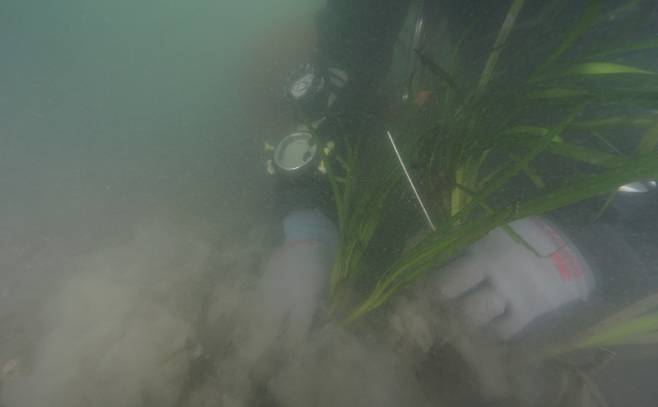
(294, 283)
(503, 285)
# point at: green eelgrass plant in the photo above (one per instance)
(635, 325)
(488, 153)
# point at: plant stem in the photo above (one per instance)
(504, 32)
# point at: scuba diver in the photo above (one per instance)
(498, 285)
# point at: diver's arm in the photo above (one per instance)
(354, 37)
(357, 37)
(503, 285)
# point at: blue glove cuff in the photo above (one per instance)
(309, 224)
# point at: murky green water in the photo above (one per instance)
(137, 217)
